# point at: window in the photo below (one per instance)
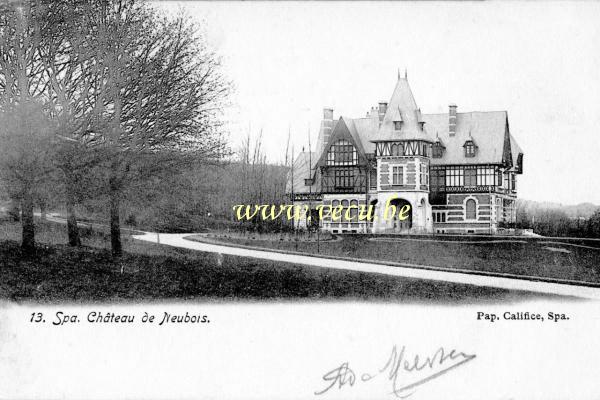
(485, 176)
(439, 217)
(470, 177)
(438, 150)
(454, 176)
(470, 209)
(342, 152)
(438, 179)
(354, 210)
(397, 149)
(373, 178)
(397, 175)
(470, 148)
(513, 181)
(397, 125)
(343, 178)
(345, 204)
(424, 176)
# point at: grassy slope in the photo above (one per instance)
(530, 258)
(150, 271)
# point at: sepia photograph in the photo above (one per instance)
(299, 200)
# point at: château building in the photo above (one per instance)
(456, 170)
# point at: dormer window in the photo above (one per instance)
(470, 148)
(438, 150)
(397, 125)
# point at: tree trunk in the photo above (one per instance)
(28, 237)
(115, 228)
(15, 210)
(72, 228)
(43, 212)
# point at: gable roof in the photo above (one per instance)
(344, 129)
(364, 128)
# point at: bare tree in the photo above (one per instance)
(72, 79)
(118, 91)
(157, 90)
(25, 130)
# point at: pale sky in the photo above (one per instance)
(538, 61)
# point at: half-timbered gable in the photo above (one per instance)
(343, 164)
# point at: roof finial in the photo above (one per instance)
(405, 74)
(398, 73)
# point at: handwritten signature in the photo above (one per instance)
(398, 364)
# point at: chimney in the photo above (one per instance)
(382, 110)
(325, 131)
(452, 119)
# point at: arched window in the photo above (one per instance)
(345, 204)
(471, 209)
(342, 152)
(334, 205)
(396, 149)
(354, 210)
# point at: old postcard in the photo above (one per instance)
(299, 200)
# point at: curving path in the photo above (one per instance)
(400, 269)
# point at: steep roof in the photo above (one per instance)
(349, 122)
(489, 131)
(345, 128)
(486, 129)
(402, 107)
(302, 171)
(364, 128)
(516, 150)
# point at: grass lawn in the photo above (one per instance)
(532, 257)
(154, 272)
